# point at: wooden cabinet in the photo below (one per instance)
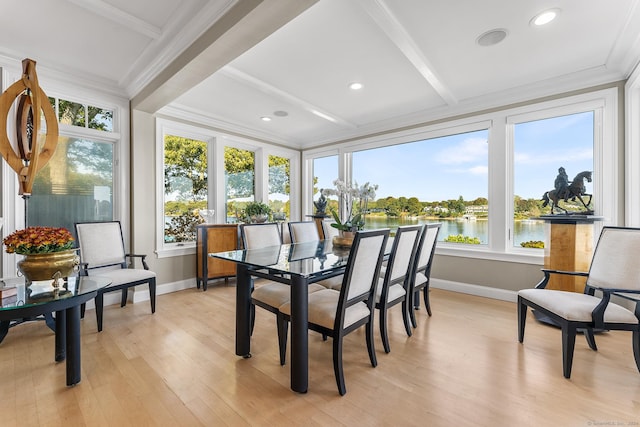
(214, 238)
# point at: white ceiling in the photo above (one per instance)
(418, 59)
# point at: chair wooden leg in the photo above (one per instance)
(83, 308)
(253, 318)
(591, 339)
(337, 364)
(123, 299)
(414, 305)
(568, 345)
(370, 343)
(427, 303)
(405, 317)
(636, 347)
(99, 300)
(522, 318)
(383, 329)
(283, 327)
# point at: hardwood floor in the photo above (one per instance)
(462, 367)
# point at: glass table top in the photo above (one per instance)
(304, 259)
(43, 292)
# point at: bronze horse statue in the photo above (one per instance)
(575, 190)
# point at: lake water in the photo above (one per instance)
(524, 231)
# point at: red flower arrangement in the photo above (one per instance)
(39, 240)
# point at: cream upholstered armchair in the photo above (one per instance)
(614, 270)
(102, 253)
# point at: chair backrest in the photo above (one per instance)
(615, 259)
(402, 254)
(329, 231)
(303, 231)
(362, 271)
(101, 244)
(426, 248)
(255, 236)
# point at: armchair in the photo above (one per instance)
(102, 253)
(614, 270)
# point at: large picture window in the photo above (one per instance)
(240, 184)
(441, 179)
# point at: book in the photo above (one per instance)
(8, 291)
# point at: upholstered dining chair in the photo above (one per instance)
(329, 231)
(395, 287)
(421, 275)
(102, 253)
(303, 231)
(614, 269)
(268, 294)
(338, 313)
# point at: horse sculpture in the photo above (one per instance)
(575, 190)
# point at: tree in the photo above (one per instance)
(239, 165)
(185, 168)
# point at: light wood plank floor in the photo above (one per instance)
(462, 367)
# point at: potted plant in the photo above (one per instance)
(48, 252)
(257, 212)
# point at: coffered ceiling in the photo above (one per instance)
(230, 63)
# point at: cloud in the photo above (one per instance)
(543, 157)
(468, 151)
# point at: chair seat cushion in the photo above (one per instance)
(395, 291)
(275, 294)
(576, 307)
(421, 279)
(124, 275)
(323, 306)
(332, 282)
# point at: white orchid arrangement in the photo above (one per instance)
(355, 200)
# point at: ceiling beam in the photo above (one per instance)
(119, 16)
(391, 26)
(244, 25)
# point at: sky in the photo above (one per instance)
(448, 167)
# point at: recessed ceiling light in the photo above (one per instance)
(280, 113)
(265, 119)
(355, 86)
(492, 37)
(544, 17)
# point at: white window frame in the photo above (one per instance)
(500, 192)
(632, 150)
(217, 141)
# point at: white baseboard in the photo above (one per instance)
(477, 290)
(141, 292)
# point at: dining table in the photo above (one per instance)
(297, 265)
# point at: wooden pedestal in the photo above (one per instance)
(569, 247)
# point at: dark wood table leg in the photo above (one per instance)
(243, 312)
(4, 328)
(299, 334)
(61, 336)
(72, 315)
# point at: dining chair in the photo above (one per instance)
(307, 231)
(329, 231)
(614, 270)
(394, 288)
(102, 253)
(421, 275)
(337, 313)
(268, 294)
(303, 231)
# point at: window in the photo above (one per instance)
(541, 148)
(279, 187)
(185, 187)
(75, 185)
(239, 177)
(76, 114)
(482, 174)
(442, 179)
(325, 171)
